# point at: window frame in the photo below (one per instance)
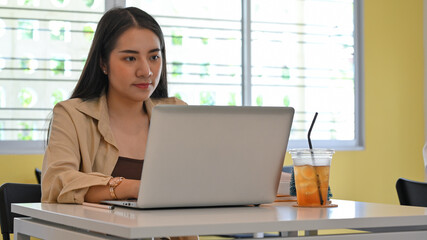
(38, 146)
(358, 143)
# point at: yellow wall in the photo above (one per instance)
(19, 168)
(394, 113)
(393, 110)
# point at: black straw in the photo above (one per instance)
(312, 157)
(311, 128)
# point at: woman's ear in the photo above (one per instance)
(103, 67)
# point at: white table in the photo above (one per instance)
(69, 221)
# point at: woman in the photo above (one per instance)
(97, 138)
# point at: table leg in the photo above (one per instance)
(25, 227)
(18, 228)
(311, 233)
(20, 236)
(259, 235)
(289, 234)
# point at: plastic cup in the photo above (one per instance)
(311, 170)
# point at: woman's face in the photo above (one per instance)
(134, 66)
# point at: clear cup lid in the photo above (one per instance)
(304, 151)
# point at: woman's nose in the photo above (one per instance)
(144, 70)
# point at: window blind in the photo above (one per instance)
(203, 47)
(44, 47)
(303, 56)
(303, 53)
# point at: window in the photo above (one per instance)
(44, 47)
(300, 53)
(304, 55)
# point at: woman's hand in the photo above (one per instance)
(129, 188)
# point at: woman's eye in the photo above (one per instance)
(130, 58)
(156, 57)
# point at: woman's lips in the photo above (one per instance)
(142, 85)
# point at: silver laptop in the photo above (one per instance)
(199, 156)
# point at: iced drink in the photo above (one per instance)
(311, 169)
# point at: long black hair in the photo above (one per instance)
(112, 25)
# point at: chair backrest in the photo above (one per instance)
(15, 193)
(38, 173)
(411, 193)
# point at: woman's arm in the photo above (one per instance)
(68, 165)
(128, 188)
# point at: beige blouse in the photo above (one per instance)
(82, 151)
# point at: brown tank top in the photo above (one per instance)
(128, 168)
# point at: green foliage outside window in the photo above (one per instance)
(26, 29)
(232, 99)
(29, 2)
(204, 40)
(59, 66)
(89, 3)
(25, 64)
(207, 98)
(178, 95)
(88, 32)
(204, 69)
(176, 39)
(57, 96)
(286, 101)
(25, 97)
(58, 34)
(176, 69)
(26, 134)
(259, 101)
(285, 73)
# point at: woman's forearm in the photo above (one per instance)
(127, 189)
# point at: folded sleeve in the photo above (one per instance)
(62, 178)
